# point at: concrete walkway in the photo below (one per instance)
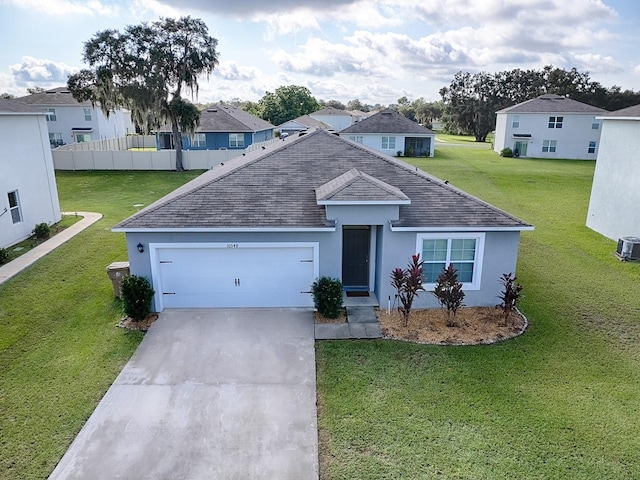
(14, 267)
(209, 394)
(362, 321)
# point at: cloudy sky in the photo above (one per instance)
(375, 51)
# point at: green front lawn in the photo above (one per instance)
(59, 347)
(560, 402)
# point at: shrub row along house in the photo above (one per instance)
(258, 230)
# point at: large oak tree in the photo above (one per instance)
(144, 69)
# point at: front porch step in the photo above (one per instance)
(358, 314)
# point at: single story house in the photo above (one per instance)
(258, 230)
(28, 192)
(391, 132)
(549, 126)
(221, 127)
(303, 122)
(615, 193)
(71, 121)
(336, 118)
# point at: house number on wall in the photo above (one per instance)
(232, 245)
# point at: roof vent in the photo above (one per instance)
(629, 249)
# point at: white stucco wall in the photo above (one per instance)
(374, 141)
(27, 167)
(572, 139)
(337, 122)
(614, 207)
(69, 117)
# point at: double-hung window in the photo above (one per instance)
(87, 114)
(199, 140)
(463, 251)
(516, 121)
(51, 114)
(555, 122)
(356, 138)
(236, 139)
(55, 139)
(595, 126)
(549, 146)
(388, 143)
(592, 147)
(14, 207)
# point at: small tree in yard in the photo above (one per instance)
(511, 292)
(407, 282)
(449, 293)
(137, 293)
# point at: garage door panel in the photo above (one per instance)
(236, 277)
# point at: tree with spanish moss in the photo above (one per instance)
(145, 69)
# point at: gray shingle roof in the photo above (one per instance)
(14, 106)
(308, 122)
(56, 96)
(633, 111)
(332, 111)
(225, 118)
(356, 186)
(550, 103)
(387, 121)
(276, 188)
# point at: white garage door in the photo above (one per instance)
(234, 275)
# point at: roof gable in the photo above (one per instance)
(550, 103)
(227, 119)
(356, 187)
(387, 121)
(60, 96)
(275, 188)
(633, 111)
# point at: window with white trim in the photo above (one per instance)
(595, 126)
(87, 114)
(464, 251)
(83, 137)
(51, 114)
(388, 143)
(55, 139)
(14, 207)
(356, 138)
(236, 139)
(199, 140)
(592, 147)
(555, 122)
(549, 146)
(516, 121)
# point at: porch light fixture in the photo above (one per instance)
(140, 248)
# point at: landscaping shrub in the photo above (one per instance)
(136, 293)
(4, 256)
(506, 152)
(449, 293)
(327, 296)
(407, 282)
(511, 292)
(41, 231)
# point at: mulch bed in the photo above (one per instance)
(142, 325)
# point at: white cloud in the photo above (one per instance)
(596, 63)
(233, 71)
(65, 7)
(40, 71)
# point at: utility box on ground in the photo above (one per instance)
(117, 271)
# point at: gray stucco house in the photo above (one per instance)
(391, 132)
(258, 230)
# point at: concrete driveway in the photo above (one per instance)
(209, 394)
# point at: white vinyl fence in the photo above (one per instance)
(116, 159)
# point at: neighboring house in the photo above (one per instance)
(338, 119)
(549, 126)
(304, 122)
(70, 121)
(391, 132)
(258, 230)
(614, 208)
(28, 192)
(222, 127)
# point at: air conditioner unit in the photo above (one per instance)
(629, 248)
